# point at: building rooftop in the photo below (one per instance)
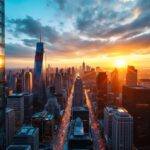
(77, 136)
(78, 127)
(79, 108)
(40, 114)
(138, 87)
(122, 113)
(16, 95)
(26, 131)
(111, 109)
(9, 109)
(19, 147)
(49, 117)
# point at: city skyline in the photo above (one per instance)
(98, 33)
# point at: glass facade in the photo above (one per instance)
(2, 75)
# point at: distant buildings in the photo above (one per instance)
(27, 135)
(10, 125)
(122, 130)
(136, 100)
(131, 76)
(16, 102)
(83, 66)
(2, 74)
(58, 82)
(78, 99)
(115, 81)
(101, 83)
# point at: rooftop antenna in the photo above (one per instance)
(40, 37)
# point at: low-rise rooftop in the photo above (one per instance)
(19, 147)
(26, 131)
(16, 95)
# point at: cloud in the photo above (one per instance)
(32, 27)
(116, 27)
(14, 50)
(29, 42)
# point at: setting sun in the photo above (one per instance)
(120, 63)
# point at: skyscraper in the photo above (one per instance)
(27, 135)
(39, 78)
(16, 102)
(2, 74)
(28, 82)
(10, 125)
(136, 100)
(122, 130)
(108, 114)
(115, 81)
(83, 66)
(131, 76)
(101, 83)
(58, 82)
(101, 93)
(78, 99)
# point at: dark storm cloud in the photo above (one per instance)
(32, 28)
(14, 50)
(30, 42)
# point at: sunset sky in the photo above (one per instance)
(96, 31)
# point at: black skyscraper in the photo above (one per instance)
(2, 76)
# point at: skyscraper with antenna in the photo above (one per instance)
(39, 78)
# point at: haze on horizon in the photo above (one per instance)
(96, 31)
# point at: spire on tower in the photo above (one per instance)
(40, 37)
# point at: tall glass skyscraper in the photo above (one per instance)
(2, 74)
(39, 79)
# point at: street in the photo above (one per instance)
(60, 139)
(98, 143)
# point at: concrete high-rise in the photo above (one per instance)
(28, 82)
(108, 114)
(122, 130)
(78, 99)
(28, 107)
(10, 125)
(39, 78)
(2, 74)
(131, 76)
(136, 100)
(16, 102)
(28, 135)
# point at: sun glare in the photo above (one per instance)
(120, 63)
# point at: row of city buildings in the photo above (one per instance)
(121, 106)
